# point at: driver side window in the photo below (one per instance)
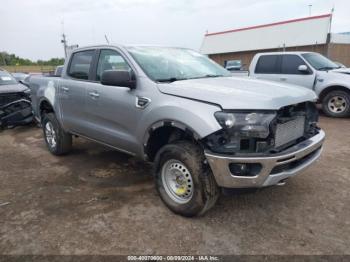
(290, 65)
(110, 60)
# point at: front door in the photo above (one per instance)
(111, 110)
(291, 75)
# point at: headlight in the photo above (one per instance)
(254, 124)
(27, 93)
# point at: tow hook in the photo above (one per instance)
(282, 182)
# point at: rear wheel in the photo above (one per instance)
(336, 104)
(57, 140)
(185, 184)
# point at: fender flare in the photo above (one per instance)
(171, 123)
(329, 88)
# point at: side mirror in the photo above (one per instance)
(303, 69)
(118, 78)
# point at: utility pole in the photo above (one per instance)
(330, 22)
(64, 42)
(329, 35)
(310, 7)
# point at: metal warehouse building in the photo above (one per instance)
(303, 34)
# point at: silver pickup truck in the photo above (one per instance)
(203, 129)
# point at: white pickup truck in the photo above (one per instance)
(329, 81)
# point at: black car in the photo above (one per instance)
(15, 105)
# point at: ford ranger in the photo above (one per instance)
(202, 128)
(330, 81)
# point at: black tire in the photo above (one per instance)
(205, 190)
(63, 140)
(331, 111)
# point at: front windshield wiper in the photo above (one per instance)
(170, 79)
(173, 79)
(213, 76)
(206, 76)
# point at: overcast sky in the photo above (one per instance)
(32, 28)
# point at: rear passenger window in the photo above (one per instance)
(80, 64)
(268, 64)
(290, 64)
(110, 60)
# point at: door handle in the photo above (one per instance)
(65, 89)
(283, 79)
(94, 94)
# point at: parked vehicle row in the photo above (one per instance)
(202, 128)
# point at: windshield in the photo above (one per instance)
(319, 62)
(165, 64)
(6, 78)
(234, 63)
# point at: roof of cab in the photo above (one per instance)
(284, 53)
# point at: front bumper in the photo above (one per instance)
(16, 113)
(274, 168)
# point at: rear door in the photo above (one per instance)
(290, 73)
(72, 91)
(268, 67)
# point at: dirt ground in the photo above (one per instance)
(98, 201)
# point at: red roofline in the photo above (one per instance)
(272, 24)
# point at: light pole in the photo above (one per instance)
(310, 7)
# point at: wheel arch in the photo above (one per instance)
(164, 131)
(44, 107)
(331, 88)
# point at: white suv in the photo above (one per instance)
(329, 81)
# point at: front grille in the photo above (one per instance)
(289, 131)
(8, 98)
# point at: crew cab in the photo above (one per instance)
(330, 81)
(202, 128)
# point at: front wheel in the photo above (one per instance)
(185, 184)
(336, 104)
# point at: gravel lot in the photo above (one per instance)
(98, 201)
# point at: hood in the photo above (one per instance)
(341, 70)
(14, 88)
(239, 93)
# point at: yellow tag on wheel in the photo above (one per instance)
(180, 191)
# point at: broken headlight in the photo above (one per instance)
(253, 124)
(242, 132)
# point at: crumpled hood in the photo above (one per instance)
(14, 88)
(239, 93)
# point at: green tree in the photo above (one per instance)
(12, 60)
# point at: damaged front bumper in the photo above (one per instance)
(265, 170)
(16, 113)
